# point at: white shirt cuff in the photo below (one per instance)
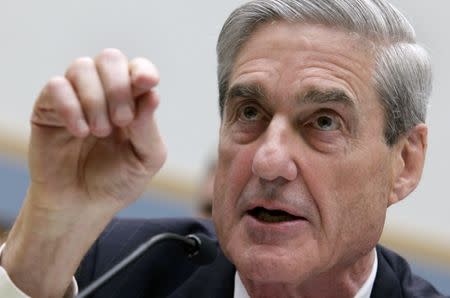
(10, 290)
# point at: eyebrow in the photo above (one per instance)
(255, 91)
(325, 96)
(313, 96)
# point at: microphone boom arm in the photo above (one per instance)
(192, 245)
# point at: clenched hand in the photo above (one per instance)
(94, 146)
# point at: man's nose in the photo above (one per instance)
(273, 158)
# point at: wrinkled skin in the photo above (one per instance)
(302, 131)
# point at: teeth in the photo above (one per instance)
(272, 216)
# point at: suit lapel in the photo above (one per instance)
(386, 283)
(214, 280)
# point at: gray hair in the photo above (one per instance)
(402, 75)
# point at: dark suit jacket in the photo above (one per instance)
(165, 271)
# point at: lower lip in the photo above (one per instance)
(284, 229)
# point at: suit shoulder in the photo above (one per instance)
(123, 236)
(394, 275)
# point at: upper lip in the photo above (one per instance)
(274, 205)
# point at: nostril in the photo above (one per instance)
(277, 182)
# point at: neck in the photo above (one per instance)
(346, 281)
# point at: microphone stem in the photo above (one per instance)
(132, 257)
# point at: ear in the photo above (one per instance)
(409, 161)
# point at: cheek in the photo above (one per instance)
(364, 181)
(234, 169)
(353, 204)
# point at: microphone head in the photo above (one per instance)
(204, 251)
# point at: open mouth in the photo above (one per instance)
(272, 216)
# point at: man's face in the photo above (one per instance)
(304, 174)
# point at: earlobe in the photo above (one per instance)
(410, 159)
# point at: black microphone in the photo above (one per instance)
(200, 249)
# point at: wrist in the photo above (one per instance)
(45, 247)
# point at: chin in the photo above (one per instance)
(268, 265)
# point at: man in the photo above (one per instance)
(323, 106)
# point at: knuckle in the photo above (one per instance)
(58, 94)
(84, 63)
(140, 60)
(144, 69)
(118, 93)
(91, 101)
(80, 65)
(55, 84)
(66, 108)
(110, 54)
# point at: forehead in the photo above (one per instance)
(289, 58)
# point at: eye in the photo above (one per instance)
(249, 113)
(326, 123)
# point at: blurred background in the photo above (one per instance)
(39, 39)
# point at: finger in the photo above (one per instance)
(58, 106)
(144, 133)
(86, 83)
(112, 67)
(144, 76)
